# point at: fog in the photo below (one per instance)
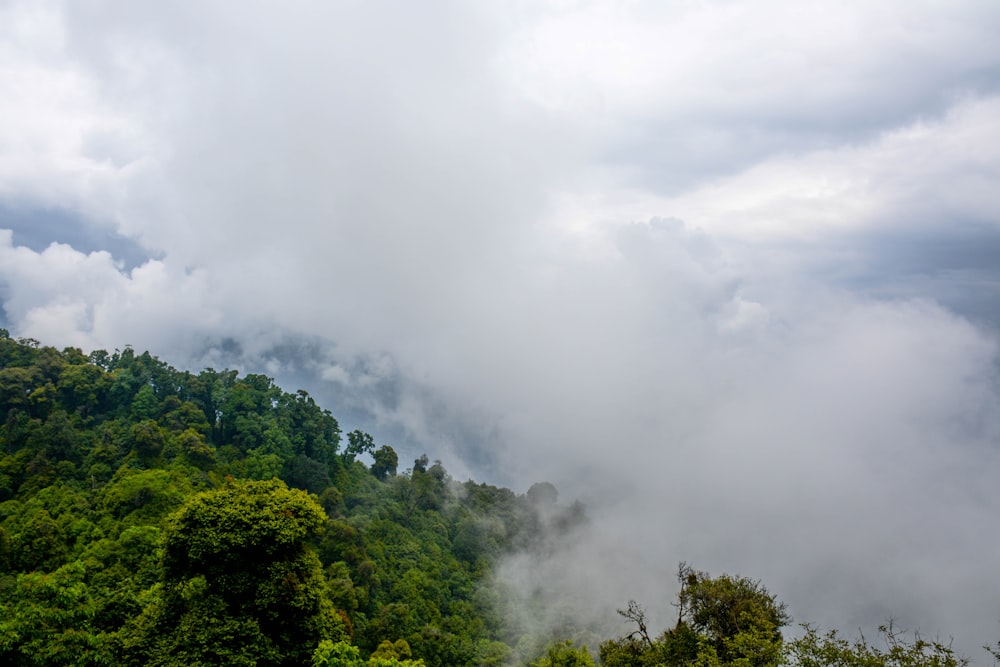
(727, 275)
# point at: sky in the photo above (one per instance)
(727, 273)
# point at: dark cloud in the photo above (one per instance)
(38, 228)
(957, 266)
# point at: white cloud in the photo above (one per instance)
(923, 175)
(61, 143)
(746, 80)
(65, 297)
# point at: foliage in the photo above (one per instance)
(150, 515)
(238, 576)
(43, 619)
(385, 462)
(342, 654)
(564, 654)
(816, 650)
(722, 620)
(337, 654)
(738, 617)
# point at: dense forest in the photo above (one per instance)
(151, 516)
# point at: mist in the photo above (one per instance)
(727, 276)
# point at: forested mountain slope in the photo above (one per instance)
(130, 491)
(150, 516)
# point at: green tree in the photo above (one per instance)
(146, 495)
(722, 620)
(45, 619)
(306, 473)
(81, 386)
(358, 442)
(737, 615)
(337, 654)
(342, 654)
(144, 404)
(543, 494)
(564, 654)
(385, 462)
(830, 649)
(240, 583)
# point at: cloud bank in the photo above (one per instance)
(729, 275)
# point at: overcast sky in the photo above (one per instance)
(729, 273)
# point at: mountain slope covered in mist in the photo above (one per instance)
(99, 450)
(150, 516)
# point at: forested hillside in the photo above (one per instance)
(155, 516)
(150, 516)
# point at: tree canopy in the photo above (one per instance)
(239, 581)
(156, 516)
(723, 620)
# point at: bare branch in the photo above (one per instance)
(635, 613)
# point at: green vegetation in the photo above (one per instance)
(236, 566)
(150, 516)
(720, 621)
(735, 622)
